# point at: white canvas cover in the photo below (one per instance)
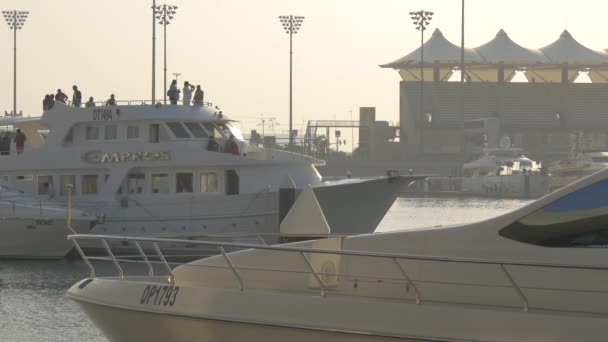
(436, 49)
(503, 49)
(567, 50)
(305, 216)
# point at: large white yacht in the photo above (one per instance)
(35, 228)
(146, 169)
(538, 273)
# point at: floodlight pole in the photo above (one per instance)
(153, 51)
(291, 24)
(290, 88)
(15, 65)
(165, 59)
(463, 138)
(165, 13)
(15, 20)
(421, 20)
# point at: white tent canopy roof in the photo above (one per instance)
(567, 50)
(437, 49)
(503, 49)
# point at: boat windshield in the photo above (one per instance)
(579, 219)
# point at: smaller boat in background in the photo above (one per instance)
(505, 171)
(501, 172)
(583, 163)
(33, 228)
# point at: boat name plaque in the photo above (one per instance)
(100, 157)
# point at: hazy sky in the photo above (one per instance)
(238, 52)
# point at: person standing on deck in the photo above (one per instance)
(173, 92)
(111, 101)
(60, 96)
(77, 97)
(188, 88)
(90, 103)
(19, 141)
(199, 94)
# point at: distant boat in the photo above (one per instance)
(33, 228)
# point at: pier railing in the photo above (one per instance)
(401, 273)
(137, 103)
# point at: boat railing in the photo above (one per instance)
(17, 206)
(136, 103)
(402, 276)
(265, 153)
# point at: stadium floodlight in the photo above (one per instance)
(15, 20)
(165, 13)
(421, 19)
(291, 24)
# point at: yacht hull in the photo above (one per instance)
(350, 207)
(119, 308)
(36, 238)
(120, 325)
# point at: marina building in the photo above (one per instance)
(539, 98)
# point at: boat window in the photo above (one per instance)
(183, 182)
(132, 132)
(63, 183)
(238, 135)
(92, 133)
(136, 183)
(69, 137)
(232, 182)
(45, 185)
(196, 130)
(211, 128)
(89, 185)
(160, 183)
(25, 177)
(154, 133)
(209, 182)
(110, 132)
(578, 219)
(178, 130)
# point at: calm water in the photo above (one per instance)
(34, 307)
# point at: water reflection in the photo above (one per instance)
(34, 306)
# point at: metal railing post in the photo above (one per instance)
(68, 218)
(234, 271)
(84, 258)
(143, 255)
(261, 239)
(121, 274)
(409, 281)
(314, 273)
(516, 287)
(162, 258)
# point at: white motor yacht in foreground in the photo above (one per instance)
(146, 169)
(536, 274)
(33, 228)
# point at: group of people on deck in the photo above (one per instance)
(5, 143)
(187, 91)
(173, 93)
(50, 99)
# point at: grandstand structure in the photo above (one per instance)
(537, 97)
